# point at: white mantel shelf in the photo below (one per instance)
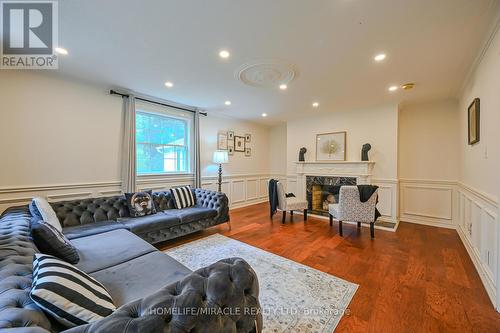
(335, 162)
(360, 169)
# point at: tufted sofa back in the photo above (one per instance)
(17, 310)
(84, 211)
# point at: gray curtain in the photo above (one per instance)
(128, 145)
(197, 164)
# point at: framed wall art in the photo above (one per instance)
(222, 141)
(239, 143)
(331, 146)
(473, 113)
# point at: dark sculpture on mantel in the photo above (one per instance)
(302, 152)
(364, 151)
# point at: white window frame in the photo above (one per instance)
(173, 114)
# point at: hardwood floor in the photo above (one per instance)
(418, 279)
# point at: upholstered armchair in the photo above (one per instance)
(289, 204)
(350, 208)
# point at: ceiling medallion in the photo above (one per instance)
(266, 73)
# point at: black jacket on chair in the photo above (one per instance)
(273, 196)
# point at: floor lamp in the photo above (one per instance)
(220, 157)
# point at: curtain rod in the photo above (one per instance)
(113, 92)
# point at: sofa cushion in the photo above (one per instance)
(191, 214)
(108, 249)
(69, 295)
(90, 229)
(51, 241)
(140, 277)
(139, 225)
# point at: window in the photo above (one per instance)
(162, 144)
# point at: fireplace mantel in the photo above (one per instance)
(336, 168)
(362, 170)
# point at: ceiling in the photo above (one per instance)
(330, 46)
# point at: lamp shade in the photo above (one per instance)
(220, 157)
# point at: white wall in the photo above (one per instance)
(429, 162)
(61, 139)
(57, 131)
(377, 126)
(479, 178)
(480, 162)
(278, 149)
(429, 141)
(238, 163)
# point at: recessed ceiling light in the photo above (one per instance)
(264, 115)
(60, 50)
(283, 86)
(393, 88)
(169, 84)
(224, 54)
(380, 57)
(227, 102)
(315, 104)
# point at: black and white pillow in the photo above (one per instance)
(46, 212)
(69, 295)
(51, 241)
(140, 203)
(183, 197)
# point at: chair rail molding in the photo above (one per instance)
(241, 189)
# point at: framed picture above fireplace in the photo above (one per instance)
(331, 146)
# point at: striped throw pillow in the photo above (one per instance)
(66, 293)
(183, 197)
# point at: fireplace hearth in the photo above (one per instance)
(322, 191)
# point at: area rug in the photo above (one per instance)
(293, 297)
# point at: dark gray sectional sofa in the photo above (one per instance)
(109, 213)
(152, 291)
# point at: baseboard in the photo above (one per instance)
(423, 221)
(485, 279)
(247, 203)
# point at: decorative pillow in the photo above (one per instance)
(35, 213)
(140, 203)
(47, 213)
(66, 293)
(51, 241)
(183, 197)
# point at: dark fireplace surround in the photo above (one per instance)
(322, 190)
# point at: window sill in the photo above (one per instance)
(164, 175)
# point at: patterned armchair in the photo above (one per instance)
(350, 208)
(290, 204)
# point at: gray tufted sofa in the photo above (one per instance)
(80, 217)
(153, 292)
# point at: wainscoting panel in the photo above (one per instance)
(387, 199)
(238, 191)
(477, 226)
(252, 189)
(263, 187)
(428, 202)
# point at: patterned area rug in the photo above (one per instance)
(294, 297)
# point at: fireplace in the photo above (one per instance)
(322, 191)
